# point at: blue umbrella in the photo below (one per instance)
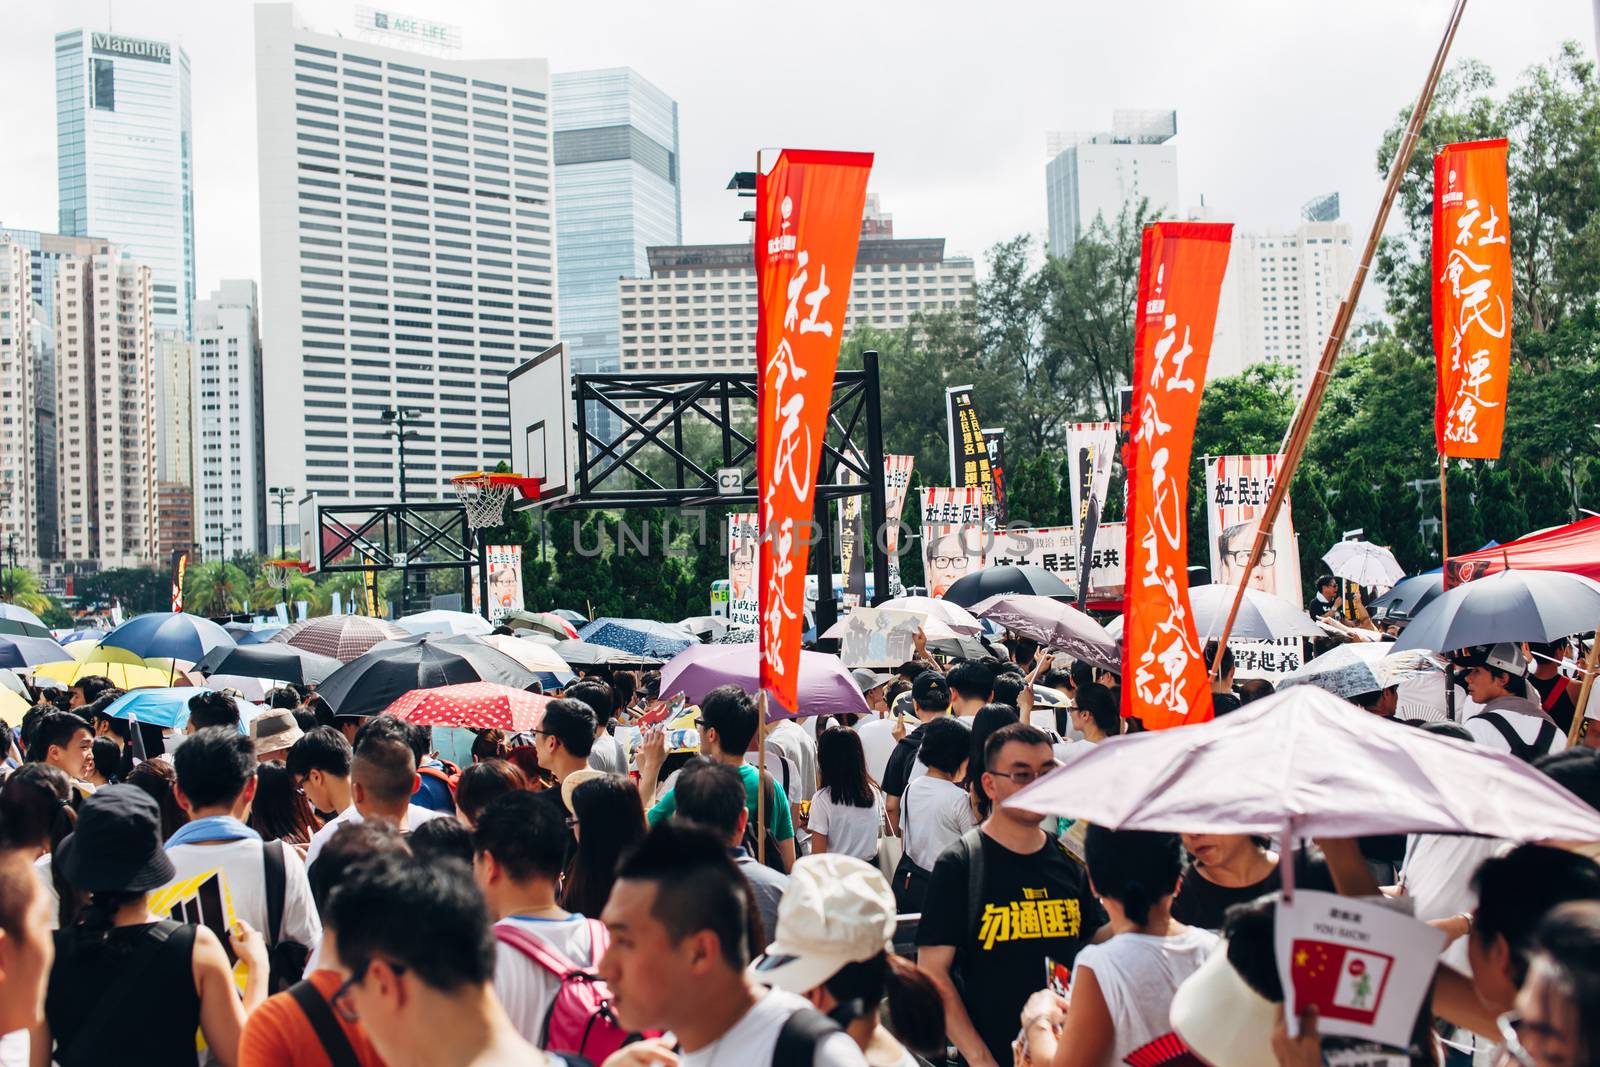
(260, 635)
(160, 707)
(86, 634)
(19, 651)
(170, 634)
(642, 637)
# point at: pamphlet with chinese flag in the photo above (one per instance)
(1471, 297)
(808, 224)
(1363, 964)
(1164, 680)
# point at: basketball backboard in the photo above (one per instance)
(310, 533)
(542, 418)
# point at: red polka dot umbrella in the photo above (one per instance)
(473, 705)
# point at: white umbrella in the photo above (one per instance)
(1262, 616)
(932, 629)
(1305, 763)
(1353, 669)
(534, 655)
(1364, 563)
(9, 680)
(444, 622)
(954, 616)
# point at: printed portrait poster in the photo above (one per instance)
(1237, 488)
(505, 581)
(879, 637)
(896, 484)
(743, 607)
(953, 537)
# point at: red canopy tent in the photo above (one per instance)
(1574, 548)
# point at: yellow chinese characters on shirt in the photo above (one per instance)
(1034, 917)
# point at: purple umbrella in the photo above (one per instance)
(825, 686)
(1054, 625)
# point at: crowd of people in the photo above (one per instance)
(327, 891)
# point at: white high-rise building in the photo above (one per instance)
(19, 520)
(230, 458)
(174, 408)
(1096, 175)
(407, 247)
(105, 409)
(125, 159)
(1279, 298)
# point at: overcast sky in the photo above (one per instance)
(1277, 100)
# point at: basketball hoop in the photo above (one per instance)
(280, 572)
(484, 495)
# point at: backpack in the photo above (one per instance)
(580, 1019)
(448, 773)
(286, 959)
(774, 857)
(1520, 748)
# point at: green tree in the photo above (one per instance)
(137, 589)
(21, 587)
(215, 587)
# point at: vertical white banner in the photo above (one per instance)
(505, 581)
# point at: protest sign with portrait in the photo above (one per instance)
(1237, 488)
(953, 537)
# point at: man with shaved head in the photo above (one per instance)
(383, 778)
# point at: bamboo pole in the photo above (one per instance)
(761, 782)
(1300, 428)
(1583, 691)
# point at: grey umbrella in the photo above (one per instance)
(584, 654)
(1054, 625)
(1510, 606)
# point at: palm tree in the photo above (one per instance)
(215, 588)
(21, 587)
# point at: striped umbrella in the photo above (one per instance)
(472, 706)
(344, 637)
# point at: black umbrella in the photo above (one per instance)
(371, 682)
(282, 662)
(1407, 598)
(24, 628)
(584, 654)
(1027, 580)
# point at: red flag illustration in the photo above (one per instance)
(1341, 982)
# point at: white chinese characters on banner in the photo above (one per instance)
(505, 581)
(743, 609)
(953, 538)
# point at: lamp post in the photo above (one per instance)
(282, 494)
(11, 573)
(396, 419)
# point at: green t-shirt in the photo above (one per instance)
(779, 819)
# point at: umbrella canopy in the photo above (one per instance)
(89, 634)
(546, 622)
(1026, 580)
(704, 626)
(584, 654)
(1364, 563)
(344, 637)
(19, 651)
(1353, 669)
(642, 637)
(960, 646)
(531, 654)
(450, 623)
(1262, 616)
(106, 654)
(17, 613)
(825, 684)
(261, 634)
(1407, 598)
(1054, 625)
(1509, 606)
(954, 616)
(571, 616)
(1574, 548)
(169, 633)
(24, 628)
(9, 680)
(159, 706)
(1306, 760)
(12, 708)
(368, 684)
(472, 706)
(121, 675)
(932, 629)
(285, 663)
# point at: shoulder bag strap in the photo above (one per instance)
(1546, 738)
(277, 878)
(1519, 747)
(329, 1033)
(972, 846)
(536, 949)
(797, 1041)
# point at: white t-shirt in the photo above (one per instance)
(1138, 975)
(877, 741)
(42, 868)
(851, 831)
(526, 990)
(215, 885)
(415, 817)
(1526, 724)
(609, 754)
(787, 739)
(751, 1040)
(934, 814)
(1437, 875)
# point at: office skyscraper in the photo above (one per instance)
(617, 194)
(125, 159)
(230, 458)
(19, 519)
(408, 252)
(1095, 175)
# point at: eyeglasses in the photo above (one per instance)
(340, 999)
(1241, 557)
(1025, 777)
(952, 563)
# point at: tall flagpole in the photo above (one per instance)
(1306, 414)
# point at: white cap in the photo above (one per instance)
(836, 910)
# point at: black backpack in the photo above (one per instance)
(286, 959)
(1519, 748)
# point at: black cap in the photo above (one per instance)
(116, 846)
(930, 691)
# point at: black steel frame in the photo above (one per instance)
(384, 534)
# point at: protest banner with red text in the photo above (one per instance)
(1164, 681)
(808, 224)
(896, 484)
(1471, 298)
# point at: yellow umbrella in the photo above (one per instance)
(121, 675)
(93, 653)
(12, 708)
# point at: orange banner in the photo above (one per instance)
(1164, 681)
(1471, 298)
(808, 223)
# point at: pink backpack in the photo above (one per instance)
(580, 1020)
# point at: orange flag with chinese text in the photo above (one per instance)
(808, 223)
(1471, 298)
(1164, 679)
